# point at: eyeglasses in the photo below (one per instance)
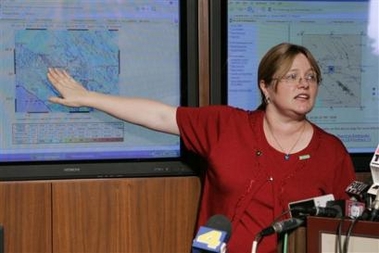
(294, 78)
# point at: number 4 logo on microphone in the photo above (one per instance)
(208, 239)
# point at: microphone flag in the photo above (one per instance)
(213, 236)
(209, 240)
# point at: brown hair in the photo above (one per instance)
(278, 61)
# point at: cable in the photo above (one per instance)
(348, 234)
(256, 241)
(339, 234)
(285, 243)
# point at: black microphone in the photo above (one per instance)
(282, 226)
(213, 236)
(358, 190)
(375, 208)
(329, 211)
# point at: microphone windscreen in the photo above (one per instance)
(220, 222)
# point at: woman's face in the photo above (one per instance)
(296, 91)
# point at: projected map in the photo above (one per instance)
(340, 58)
(91, 57)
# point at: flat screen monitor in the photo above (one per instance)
(342, 35)
(139, 48)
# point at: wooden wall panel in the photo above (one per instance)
(25, 213)
(127, 215)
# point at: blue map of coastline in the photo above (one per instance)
(91, 57)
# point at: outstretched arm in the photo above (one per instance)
(144, 112)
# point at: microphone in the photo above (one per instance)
(282, 226)
(375, 208)
(328, 211)
(372, 212)
(307, 204)
(213, 236)
(358, 190)
(276, 227)
(374, 166)
(348, 207)
(331, 211)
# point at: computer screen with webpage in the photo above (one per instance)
(342, 35)
(127, 48)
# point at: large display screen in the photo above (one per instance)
(127, 48)
(342, 35)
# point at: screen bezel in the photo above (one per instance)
(219, 69)
(176, 166)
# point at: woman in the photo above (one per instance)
(258, 161)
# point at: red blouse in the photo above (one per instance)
(249, 181)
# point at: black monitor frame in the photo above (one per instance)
(120, 168)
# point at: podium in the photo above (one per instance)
(324, 235)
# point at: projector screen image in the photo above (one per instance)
(342, 35)
(126, 48)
